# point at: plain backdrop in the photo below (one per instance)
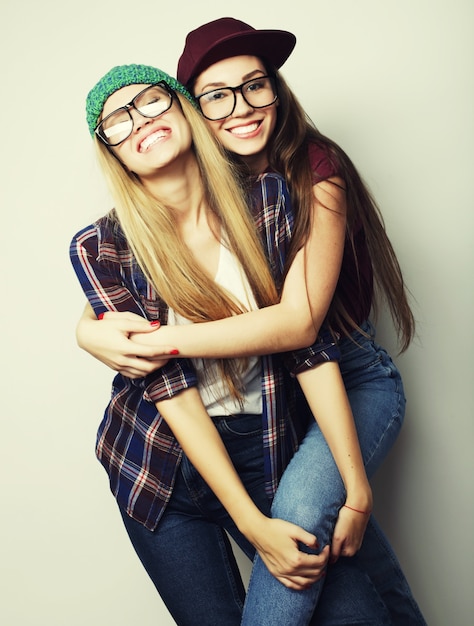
(392, 82)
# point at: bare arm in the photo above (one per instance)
(275, 540)
(307, 292)
(325, 246)
(291, 324)
(127, 343)
(324, 390)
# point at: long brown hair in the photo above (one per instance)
(152, 235)
(288, 154)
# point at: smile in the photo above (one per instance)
(244, 130)
(152, 139)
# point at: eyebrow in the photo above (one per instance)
(245, 78)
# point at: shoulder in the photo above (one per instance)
(103, 233)
(323, 161)
(106, 228)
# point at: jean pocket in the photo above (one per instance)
(240, 425)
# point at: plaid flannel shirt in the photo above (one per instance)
(134, 443)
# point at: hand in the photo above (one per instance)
(277, 543)
(348, 533)
(108, 340)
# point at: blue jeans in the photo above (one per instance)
(190, 560)
(311, 493)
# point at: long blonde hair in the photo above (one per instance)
(153, 237)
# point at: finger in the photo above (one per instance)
(306, 538)
(158, 363)
(308, 566)
(299, 583)
(131, 373)
(158, 353)
(137, 325)
(136, 368)
(336, 548)
(123, 315)
(313, 562)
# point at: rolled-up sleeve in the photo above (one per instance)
(103, 269)
(324, 349)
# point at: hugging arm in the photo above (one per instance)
(307, 291)
(291, 324)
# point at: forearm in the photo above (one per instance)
(193, 428)
(294, 322)
(277, 541)
(278, 328)
(324, 390)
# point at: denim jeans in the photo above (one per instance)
(190, 560)
(311, 493)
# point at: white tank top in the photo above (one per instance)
(214, 392)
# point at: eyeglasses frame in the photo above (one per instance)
(131, 105)
(234, 91)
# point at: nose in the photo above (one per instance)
(138, 120)
(242, 107)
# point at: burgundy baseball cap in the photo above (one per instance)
(228, 37)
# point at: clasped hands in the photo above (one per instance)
(278, 544)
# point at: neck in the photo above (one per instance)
(256, 163)
(180, 188)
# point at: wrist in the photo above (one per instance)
(251, 524)
(360, 499)
(351, 508)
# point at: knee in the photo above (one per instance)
(315, 519)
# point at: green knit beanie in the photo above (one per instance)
(122, 76)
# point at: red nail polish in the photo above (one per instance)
(155, 323)
(100, 316)
(174, 351)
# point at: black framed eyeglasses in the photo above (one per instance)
(220, 103)
(150, 102)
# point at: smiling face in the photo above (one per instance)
(247, 131)
(155, 143)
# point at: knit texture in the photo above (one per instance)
(122, 76)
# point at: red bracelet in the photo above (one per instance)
(357, 510)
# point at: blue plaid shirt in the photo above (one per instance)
(134, 443)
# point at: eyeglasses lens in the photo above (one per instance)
(150, 102)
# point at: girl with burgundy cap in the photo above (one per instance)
(349, 258)
(180, 246)
(232, 69)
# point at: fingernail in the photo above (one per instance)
(155, 323)
(174, 351)
(100, 316)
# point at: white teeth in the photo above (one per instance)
(243, 130)
(151, 139)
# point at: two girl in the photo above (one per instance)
(180, 247)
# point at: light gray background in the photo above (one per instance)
(392, 82)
